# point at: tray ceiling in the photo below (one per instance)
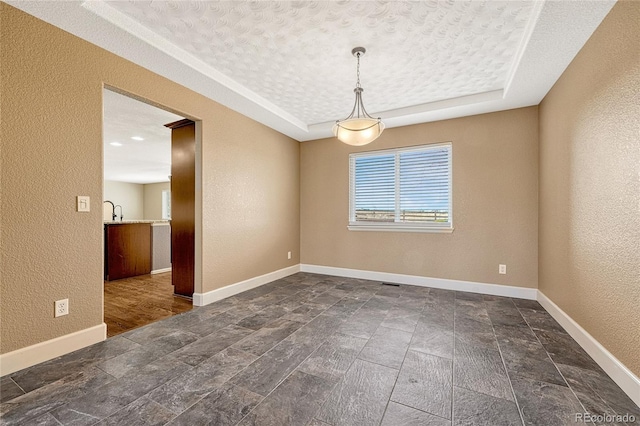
(289, 64)
(298, 55)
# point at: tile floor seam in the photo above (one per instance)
(19, 387)
(422, 411)
(168, 408)
(345, 373)
(377, 363)
(133, 402)
(598, 395)
(576, 395)
(148, 394)
(554, 364)
(65, 404)
(295, 369)
(386, 407)
(258, 358)
(284, 379)
(257, 405)
(453, 395)
(274, 389)
(116, 379)
(98, 420)
(453, 362)
(231, 345)
(348, 368)
(56, 420)
(571, 388)
(504, 365)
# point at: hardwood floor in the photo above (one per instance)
(133, 302)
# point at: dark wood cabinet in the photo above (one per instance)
(127, 250)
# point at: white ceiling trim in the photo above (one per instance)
(395, 118)
(555, 32)
(133, 27)
(524, 42)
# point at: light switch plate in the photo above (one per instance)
(84, 203)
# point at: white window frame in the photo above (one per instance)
(438, 227)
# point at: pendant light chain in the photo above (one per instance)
(358, 70)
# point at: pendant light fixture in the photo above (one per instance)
(359, 128)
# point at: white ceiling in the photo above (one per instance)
(136, 161)
(289, 66)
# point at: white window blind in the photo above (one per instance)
(405, 189)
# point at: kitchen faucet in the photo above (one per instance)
(113, 209)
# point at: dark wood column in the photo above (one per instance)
(183, 203)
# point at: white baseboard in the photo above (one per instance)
(201, 299)
(628, 382)
(44, 351)
(470, 286)
(159, 271)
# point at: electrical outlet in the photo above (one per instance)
(62, 308)
(502, 269)
(288, 255)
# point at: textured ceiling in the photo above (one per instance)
(297, 54)
(288, 64)
(136, 161)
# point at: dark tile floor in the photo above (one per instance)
(319, 350)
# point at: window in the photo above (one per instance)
(405, 189)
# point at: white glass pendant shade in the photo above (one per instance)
(358, 131)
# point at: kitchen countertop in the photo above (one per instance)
(125, 222)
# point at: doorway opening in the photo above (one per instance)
(145, 196)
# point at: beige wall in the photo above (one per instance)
(495, 213)
(590, 187)
(51, 85)
(153, 200)
(128, 195)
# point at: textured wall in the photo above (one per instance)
(153, 200)
(51, 84)
(128, 195)
(589, 238)
(495, 213)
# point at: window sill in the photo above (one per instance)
(400, 228)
